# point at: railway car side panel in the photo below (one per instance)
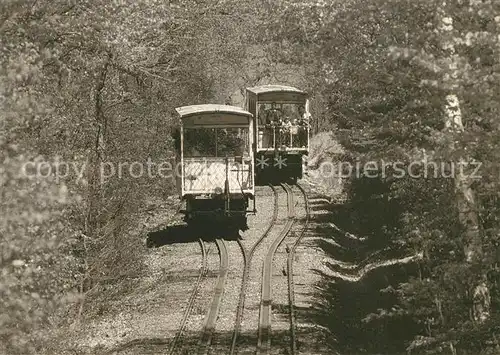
(208, 176)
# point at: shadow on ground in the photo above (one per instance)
(351, 311)
(191, 343)
(183, 233)
(357, 305)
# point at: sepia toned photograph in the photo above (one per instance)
(271, 177)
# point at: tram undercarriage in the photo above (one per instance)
(278, 167)
(221, 212)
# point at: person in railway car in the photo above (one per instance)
(303, 122)
(302, 112)
(265, 137)
(263, 114)
(273, 114)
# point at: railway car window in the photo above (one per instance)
(199, 142)
(216, 142)
(232, 142)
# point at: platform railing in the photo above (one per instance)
(283, 137)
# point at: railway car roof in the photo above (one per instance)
(186, 111)
(274, 88)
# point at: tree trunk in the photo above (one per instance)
(467, 205)
(97, 156)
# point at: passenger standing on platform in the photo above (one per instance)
(272, 118)
(302, 114)
(263, 115)
(304, 123)
(265, 135)
(273, 114)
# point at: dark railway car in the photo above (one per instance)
(281, 129)
(217, 163)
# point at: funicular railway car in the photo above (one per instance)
(281, 129)
(217, 164)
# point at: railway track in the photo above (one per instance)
(291, 286)
(264, 333)
(247, 257)
(203, 271)
(211, 318)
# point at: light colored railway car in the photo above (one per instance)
(217, 163)
(281, 130)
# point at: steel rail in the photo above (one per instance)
(213, 312)
(264, 338)
(291, 285)
(192, 298)
(247, 260)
